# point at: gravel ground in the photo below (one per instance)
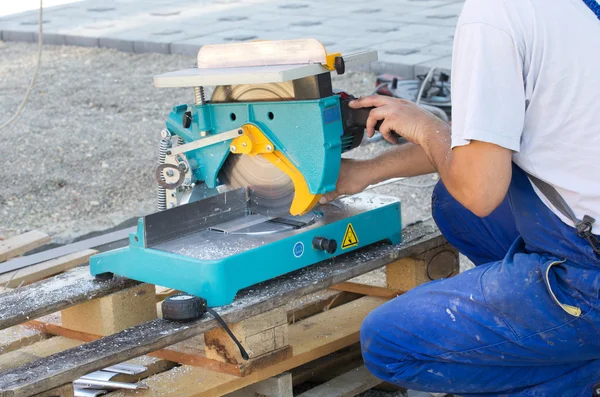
(82, 155)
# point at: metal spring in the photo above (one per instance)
(199, 93)
(161, 194)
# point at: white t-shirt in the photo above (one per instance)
(526, 76)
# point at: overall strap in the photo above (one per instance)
(594, 6)
(583, 226)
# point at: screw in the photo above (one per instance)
(240, 132)
(232, 148)
(244, 144)
(269, 148)
(170, 173)
(182, 166)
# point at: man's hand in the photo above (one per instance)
(400, 117)
(354, 177)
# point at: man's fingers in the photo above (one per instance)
(370, 101)
(327, 197)
(388, 133)
(375, 116)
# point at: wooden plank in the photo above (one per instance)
(44, 270)
(350, 384)
(311, 338)
(54, 345)
(35, 351)
(113, 313)
(189, 352)
(54, 294)
(327, 364)
(163, 293)
(62, 391)
(20, 244)
(257, 335)
(364, 289)
(66, 366)
(112, 240)
(316, 303)
(277, 386)
(18, 336)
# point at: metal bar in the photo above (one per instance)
(127, 369)
(54, 294)
(63, 367)
(100, 375)
(109, 385)
(191, 218)
(360, 58)
(43, 256)
(211, 140)
(240, 223)
(80, 392)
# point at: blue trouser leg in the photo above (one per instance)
(498, 329)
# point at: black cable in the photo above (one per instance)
(226, 328)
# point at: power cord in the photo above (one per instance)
(35, 75)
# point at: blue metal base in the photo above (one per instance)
(218, 280)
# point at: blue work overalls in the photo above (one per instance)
(524, 322)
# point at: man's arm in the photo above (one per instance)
(477, 175)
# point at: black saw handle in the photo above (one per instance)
(361, 115)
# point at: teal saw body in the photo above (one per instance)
(216, 261)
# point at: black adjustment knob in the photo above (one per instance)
(324, 244)
(187, 119)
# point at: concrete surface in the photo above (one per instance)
(408, 34)
(82, 155)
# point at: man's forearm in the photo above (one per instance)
(477, 175)
(401, 161)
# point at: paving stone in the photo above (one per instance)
(444, 63)
(117, 44)
(416, 32)
(83, 41)
(407, 59)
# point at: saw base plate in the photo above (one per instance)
(218, 261)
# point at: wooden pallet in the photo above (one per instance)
(291, 326)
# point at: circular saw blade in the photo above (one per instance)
(272, 189)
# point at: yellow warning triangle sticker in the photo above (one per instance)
(350, 238)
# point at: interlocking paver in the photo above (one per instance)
(408, 34)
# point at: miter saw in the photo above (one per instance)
(240, 176)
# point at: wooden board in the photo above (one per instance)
(65, 366)
(349, 384)
(54, 294)
(112, 240)
(43, 270)
(311, 338)
(20, 244)
(193, 351)
(18, 336)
